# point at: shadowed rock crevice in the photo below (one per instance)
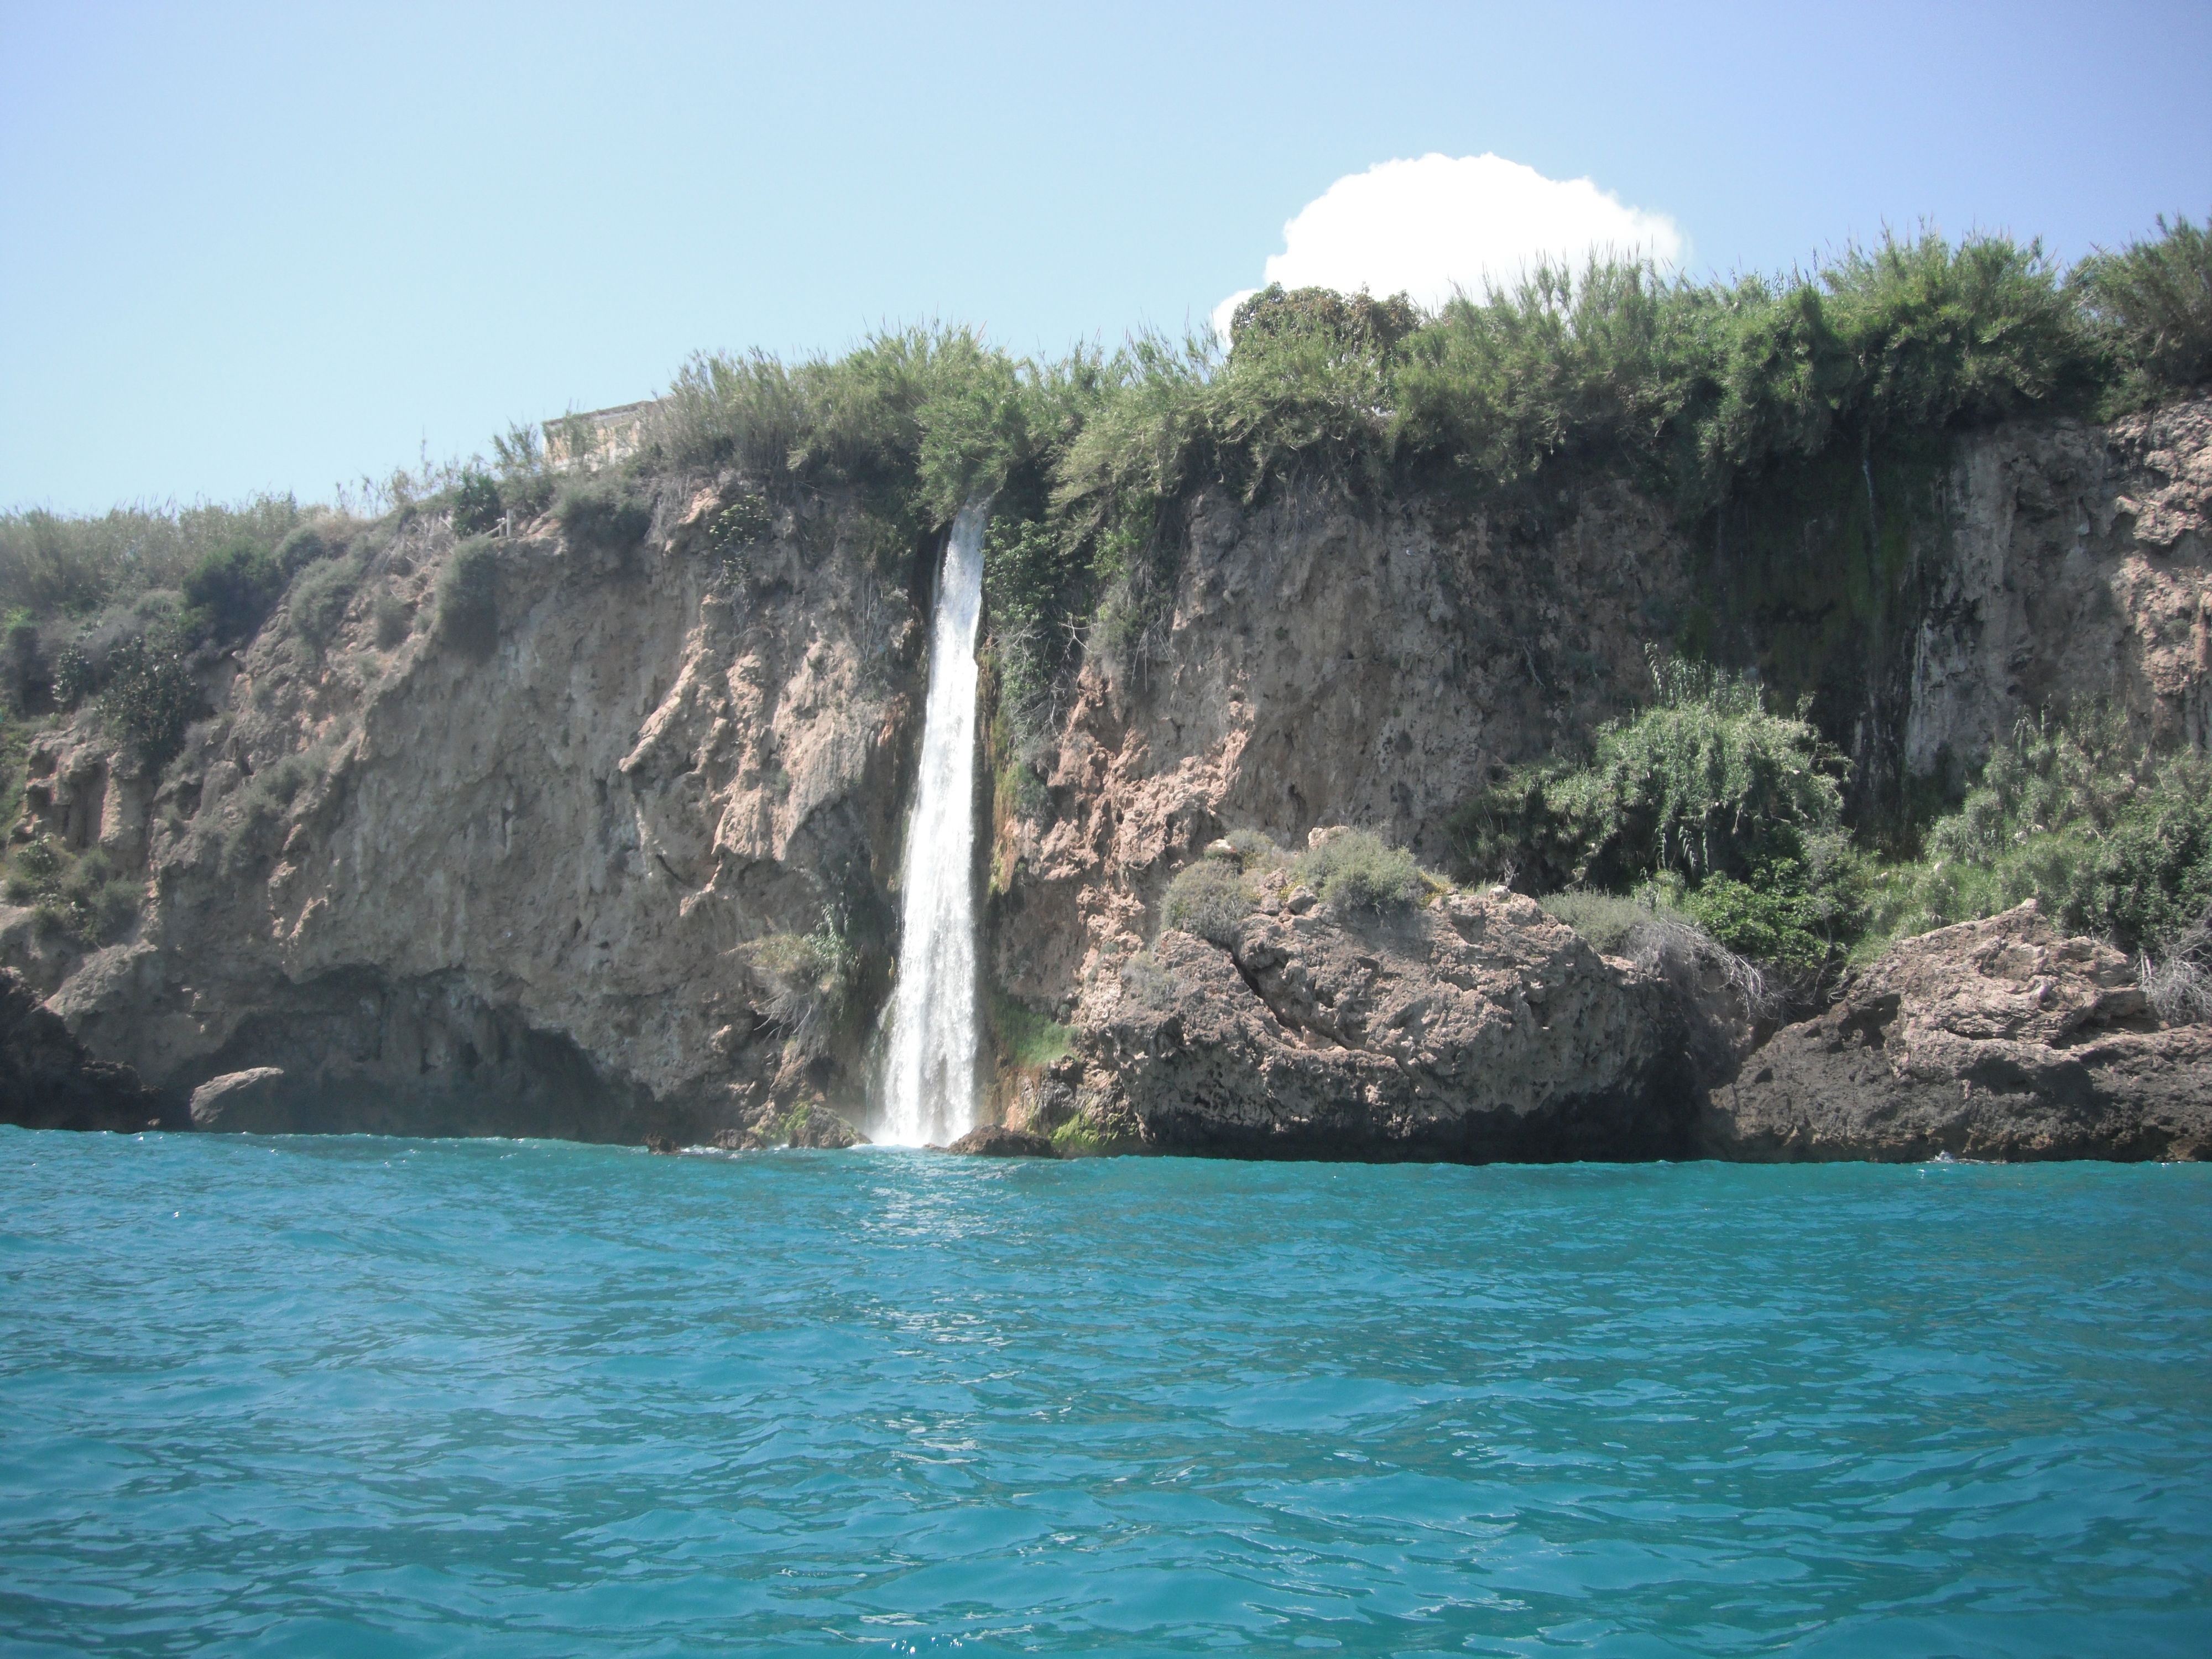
(49, 1081)
(351, 1053)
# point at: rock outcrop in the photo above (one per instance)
(1993, 1039)
(1377, 661)
(47, 1080)
(998, 1140)
(1474, 1028)
(252, 1102)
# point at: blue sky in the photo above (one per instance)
(247, 247)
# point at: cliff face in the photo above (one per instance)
(1375, 663)
(556, 882)
(525, 890)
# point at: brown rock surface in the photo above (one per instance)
(47, 1080)
(1995, 1039)
(1473, 1029)
(250, 1103)
(1329, 661)
(998, 1140)
(520, 891)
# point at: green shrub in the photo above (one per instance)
(597, 517)
(151, 696)
(1785, 912)
(392, 620)
(809, 979)
(1606, 919)
(36, 862)
(2151, 305)
(468, 598)
(305, 546)
(1207, 899)
(73, 676)
(80, 898)
(25, 679)
(51, 562)
(1705, 781)
(1254, 848)
(477, 504)
(318, 599)
(232, 590)
(1358, 870)
(745, 522)
(2106, 836)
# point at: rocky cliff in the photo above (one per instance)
(547, 883)
(1376, 662)
(621, 866)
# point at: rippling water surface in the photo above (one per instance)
(362, 1396)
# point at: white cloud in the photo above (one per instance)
(1429, 226)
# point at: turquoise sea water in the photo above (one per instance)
(362, 1396)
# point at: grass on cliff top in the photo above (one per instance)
(1688, 384)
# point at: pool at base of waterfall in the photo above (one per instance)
(351, 1396)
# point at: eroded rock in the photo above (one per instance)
(1471, 1030)
(47, 1080)
(251, 1102)
(998, 1140)
(1996, 1039)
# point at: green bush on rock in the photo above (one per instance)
(2150, 305)
(1358, 870)
(318, 599)
(1209, 899)
(2106, 836)
(80, 898)
(151, 696)
(603, 519)
(468, 598)
(1705, 782)
(477, 504)
(232, 590)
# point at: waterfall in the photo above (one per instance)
(929, 1093)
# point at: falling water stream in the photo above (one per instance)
(929, 1092)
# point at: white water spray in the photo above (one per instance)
(929, 1093)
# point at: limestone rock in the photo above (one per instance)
(1472, 1031)
(251, 1102)
(47, 1080)
(997, 1141)
(810, 1124)
(1995, 1039)
(821, 1128)
(513, 892)
(522, 892)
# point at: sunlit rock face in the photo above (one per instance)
(1996, 1039)
(1474, 1028)
(539, 888)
